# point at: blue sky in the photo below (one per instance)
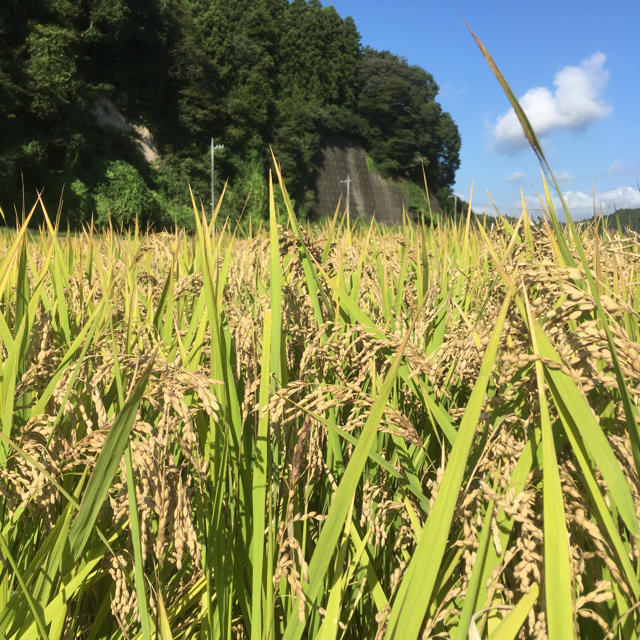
(576, 67)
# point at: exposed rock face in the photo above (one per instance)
(107, 115)
(370, 194)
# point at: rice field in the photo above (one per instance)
(339, 433)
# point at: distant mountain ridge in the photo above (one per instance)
(626, 218)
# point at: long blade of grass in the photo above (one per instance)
(275, 291)
(10, 370)
(36, 611)
(106, 466)
(557, 555)
(341, 503)
(163, 620)
(530, 136)
(629, 409)
(136, 538)
(471, 597)
(572, 405)
(510, 626)
(260, 471)
(416, 590)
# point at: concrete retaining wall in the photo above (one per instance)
(371, 195)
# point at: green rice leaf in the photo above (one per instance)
(557, 555)
(260, 474)
(416, 589)
(510, 626)
(106, 466)
(341, 503)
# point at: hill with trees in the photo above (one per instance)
(254, 75)
(623, 220)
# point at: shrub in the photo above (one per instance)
(123, 196)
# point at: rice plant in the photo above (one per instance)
(329, 433)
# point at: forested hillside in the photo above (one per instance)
(623, 220)
(253, 74)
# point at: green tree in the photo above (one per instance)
(124, 196)
(317, 66)
(404, 125)
(253, 74)
(223, 72)
(51, 71)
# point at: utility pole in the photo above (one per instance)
(455, 209)
(214, 147)
(347, 181)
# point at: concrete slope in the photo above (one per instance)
(370, 194)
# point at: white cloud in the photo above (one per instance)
(575, 102)
(620, 198)
(615, 167)
(580, 203)
(564, 177)
(517, 176)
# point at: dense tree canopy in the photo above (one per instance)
(253, 74)
(403, 124)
